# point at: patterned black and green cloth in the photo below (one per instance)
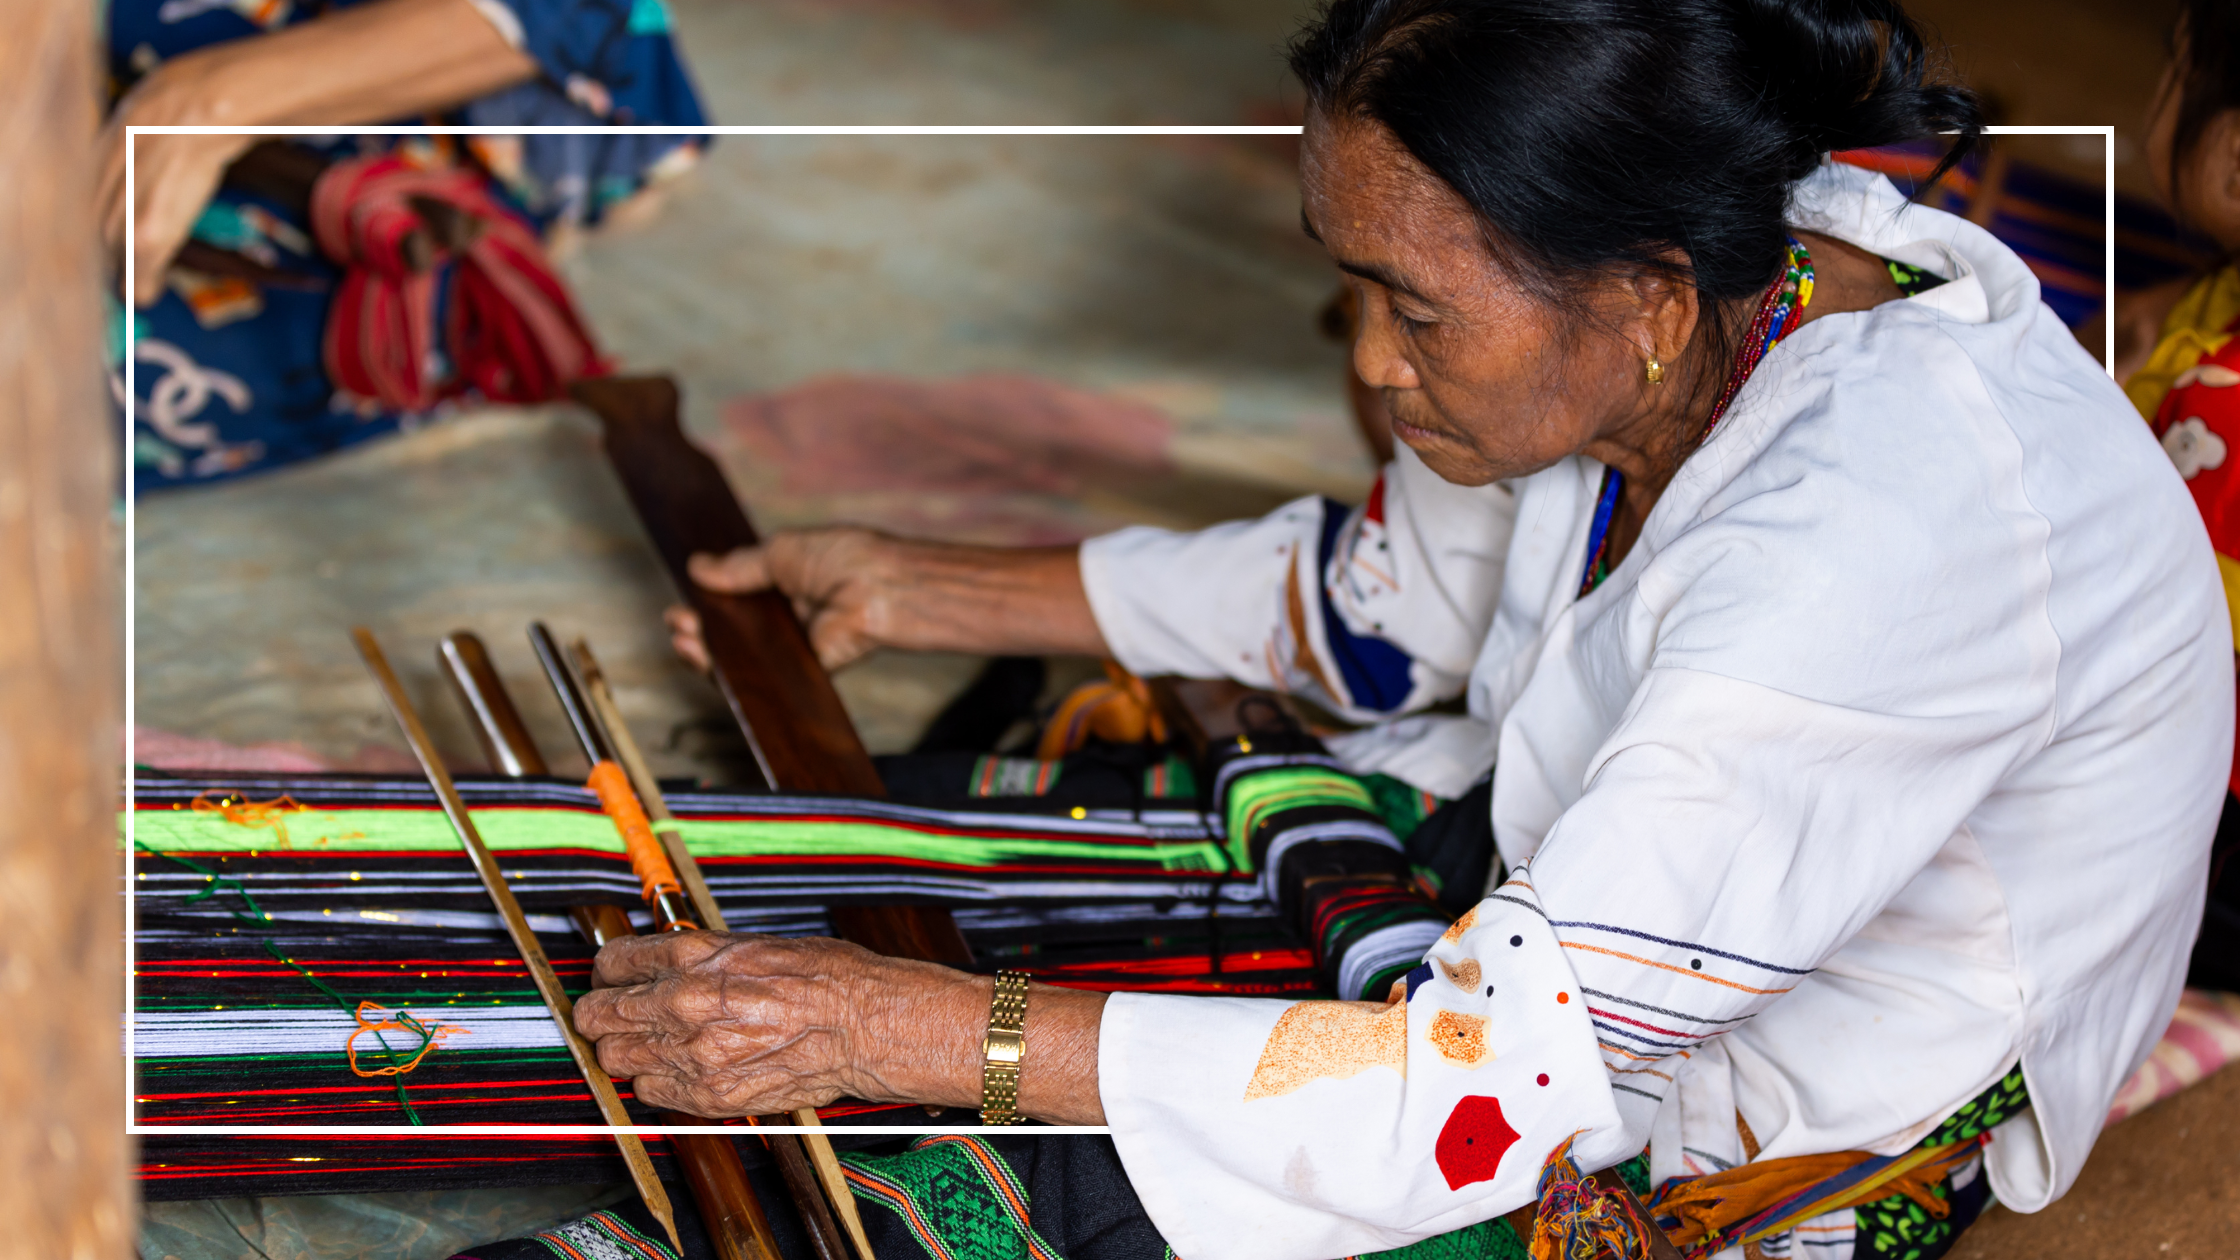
(267, 908)
(1897, 1228)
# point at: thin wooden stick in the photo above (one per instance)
(524, 941)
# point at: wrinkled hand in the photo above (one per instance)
(842, 581)
(173, 176)
(726, 1024)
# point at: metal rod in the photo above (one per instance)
(570, 691)
(648, 854)
(505, 737)
(524, 941)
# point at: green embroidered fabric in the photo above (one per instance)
(1985, 1112)
(600, 1234)
(1403, 806)
(1897, 1228)
(1486, 1240)
(960, 1199)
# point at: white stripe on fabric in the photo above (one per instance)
(193, 1034)
(1337, 829)
(1385, 947)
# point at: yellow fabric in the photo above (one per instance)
(2230, 568)
(2194, 328)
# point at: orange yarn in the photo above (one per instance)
(1709, 1206)
(1119, 711)
(648, 860)
(247, 813)
(404, 1021)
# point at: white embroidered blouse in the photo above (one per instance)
(1889, 757)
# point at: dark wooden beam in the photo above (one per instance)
(781, 695)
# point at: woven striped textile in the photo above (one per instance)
(360, 882)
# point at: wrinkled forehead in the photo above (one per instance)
(1373, 204)
(1361, 164)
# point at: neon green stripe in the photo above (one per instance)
(506, 829)
(1254, 797)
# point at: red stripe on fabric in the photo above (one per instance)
(1592, 1010)
(894, 1197)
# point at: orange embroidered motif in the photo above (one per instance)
(1315, 1041)
(1468, 920)
(1465, 976)
(1460, 1038)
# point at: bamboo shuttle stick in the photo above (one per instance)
(525, 942)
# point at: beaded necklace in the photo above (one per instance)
(1777, 317)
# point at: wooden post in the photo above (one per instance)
(64, 1191)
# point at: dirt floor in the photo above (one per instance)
(2162, 1185)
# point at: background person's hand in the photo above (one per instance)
(361, 64)
(173, 176)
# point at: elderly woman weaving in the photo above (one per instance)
(1850, 667)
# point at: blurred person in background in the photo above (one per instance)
(294, 297)
(2178, 356)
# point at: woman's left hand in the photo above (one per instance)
(726, 1024)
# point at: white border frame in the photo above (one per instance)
(132, 1123)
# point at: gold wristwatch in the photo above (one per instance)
(1003, 1049)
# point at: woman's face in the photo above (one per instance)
(1482, 379)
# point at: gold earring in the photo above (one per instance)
(1656, 372)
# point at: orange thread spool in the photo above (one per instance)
(647, 858)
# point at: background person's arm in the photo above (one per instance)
(365, 64)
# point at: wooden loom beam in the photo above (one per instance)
(801, 734)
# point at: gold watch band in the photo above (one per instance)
(1003, 1049)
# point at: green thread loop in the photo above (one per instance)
(216, 882)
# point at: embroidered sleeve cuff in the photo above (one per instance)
(1264, 1130)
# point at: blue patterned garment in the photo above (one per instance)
(228, 373)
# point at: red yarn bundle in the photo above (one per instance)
(510, 332)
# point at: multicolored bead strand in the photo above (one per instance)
(1778, 314)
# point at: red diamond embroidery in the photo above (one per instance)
(1474, 1140)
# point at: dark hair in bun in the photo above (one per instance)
(1591, 134)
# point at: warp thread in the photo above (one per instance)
(215, 882)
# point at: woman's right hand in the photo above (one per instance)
(858, 589)
(841, 582)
